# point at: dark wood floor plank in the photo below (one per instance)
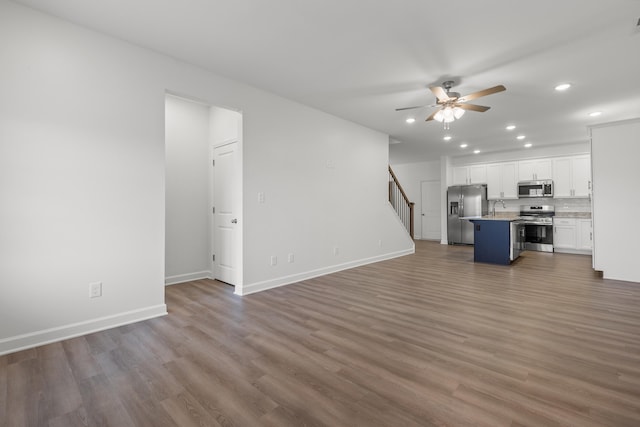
(27, 403)
(186, 411)
(430, 339)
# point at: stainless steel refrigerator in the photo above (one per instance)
(464, 201)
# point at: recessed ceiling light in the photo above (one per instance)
(527, 145)
(410, 120)
(595, 113)
(563, 86)
(521, 137)
(476, 151)
(464, 145)
(510, 127)
(447, 138)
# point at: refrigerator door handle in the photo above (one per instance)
(461, 209)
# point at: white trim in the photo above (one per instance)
(295, 278)
(181, 278)
(46, 336)
(573, 251)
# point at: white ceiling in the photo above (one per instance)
(362, 59)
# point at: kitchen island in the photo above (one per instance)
(497, 239)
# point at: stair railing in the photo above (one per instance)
(400, 202)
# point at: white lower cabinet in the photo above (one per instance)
(572, 235)
(585, 234)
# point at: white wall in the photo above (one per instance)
(615, 150)
(411, 176)
(325, 186)
(187, 190)
(82, 180)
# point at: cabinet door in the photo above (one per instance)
(564, 233)
(585, 234)
(544, 169)
(535, 170)
(494, 181)
(562, 186)
(478, 174)
(509, 180)
(460, 175)
(581, 176)
(526, 170)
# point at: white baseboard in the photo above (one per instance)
(38, 338)
(573, 251)
(294, 278)
(181, 278)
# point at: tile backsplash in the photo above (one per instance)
(561, 205)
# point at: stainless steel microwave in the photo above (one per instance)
(543, 188)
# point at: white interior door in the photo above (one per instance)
(226, 198)
(430, 202)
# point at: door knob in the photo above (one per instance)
(234, 221)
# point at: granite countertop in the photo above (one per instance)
(514, 216)
(500, 216)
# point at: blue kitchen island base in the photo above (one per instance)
(492, 241)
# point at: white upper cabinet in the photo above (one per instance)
(474, 174)
(529, 170)
(460, 175)
(581, 175)
(502, 181)
(478, 174)
(572, 176)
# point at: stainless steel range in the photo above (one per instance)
(538, 225)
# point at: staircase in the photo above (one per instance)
(400, 202)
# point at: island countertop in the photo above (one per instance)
(497, 217)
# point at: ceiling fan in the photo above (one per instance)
(452, 105)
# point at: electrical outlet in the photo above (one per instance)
(336, 250)
(95, 290)
(261, 197)
(290, 258)
(274, 260)
(380, 243)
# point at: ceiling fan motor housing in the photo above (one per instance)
(447, 86)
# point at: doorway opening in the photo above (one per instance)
(203, 189)
(430, 210)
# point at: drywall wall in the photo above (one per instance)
(615, 150)
(324, 182)
(82, 181)
(187, 190)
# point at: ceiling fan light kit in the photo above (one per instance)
(452, 105)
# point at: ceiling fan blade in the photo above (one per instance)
(411, 108)
(472, 107)
(431, 116)
(485, 92)
(440, 93)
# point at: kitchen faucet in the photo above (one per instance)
(494, 206)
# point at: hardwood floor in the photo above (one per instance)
(430, 339)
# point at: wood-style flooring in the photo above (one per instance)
(430, 339)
